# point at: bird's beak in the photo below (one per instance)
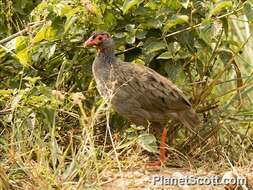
(89, 42)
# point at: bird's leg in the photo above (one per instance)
(171, 135)
(162, 146)
(162, 151)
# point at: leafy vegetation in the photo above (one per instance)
(53, 122)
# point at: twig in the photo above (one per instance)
(21, 32)
(207, 108)
(199, 24)
(5, 111)
(126, 50)
(245, 135)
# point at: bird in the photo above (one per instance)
(137, 92)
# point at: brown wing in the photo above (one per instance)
(146, 92)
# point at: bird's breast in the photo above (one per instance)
(104, 77)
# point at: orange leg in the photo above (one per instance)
(171, 135)
(162, 146)
(162, 153)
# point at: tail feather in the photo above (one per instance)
(190, 119)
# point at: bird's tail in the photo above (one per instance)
(190, 120)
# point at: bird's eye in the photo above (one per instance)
(100, 38)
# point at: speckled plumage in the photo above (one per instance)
(138, 92)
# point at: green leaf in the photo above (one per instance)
(139, 61)
(69, 23)
(109, 19)
(32, 80)
(141, 34)
(151, 23)
(128, 4)
(185, 3)
(130, 39)
(60, 77)
(24, 57)
(154, 46)
(21, 43)
(151, 5)
(45, 33)
(178, 19)
(206, 32)
(247, 9)
(148, 142)
(225, 25)
(220, 7)
(127, 144)
(63, 9)
(165, 55)
(172, 4)
(51, 51)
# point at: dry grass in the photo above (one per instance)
(79, 158)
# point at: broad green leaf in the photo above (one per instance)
(127, 144)
(49, 114)
(248, 11)
(60, 76)
(69, 23)
(154, 46)
(128, 4)
(130, 39)
(225, 25)
(185, 3)
(21, 43)
(186, 39)
(130, 27)
(109, 20)
(220, 7)
(233, 43)
(151, 5)
(165, 55)
(151, 23)
(51, 51)
(32, 80)
(148, 142)
(139, 61)
(45, 33)
(63, 9)
(182, 54)
(137, 127)
(91, 7)
(55, 150)
(178, 19)
(24, 57)
(140, 34)
(206, 32)
(172, 4)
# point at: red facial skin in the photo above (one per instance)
(96, 39)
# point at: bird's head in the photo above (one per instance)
(101, 40)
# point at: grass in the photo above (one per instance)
(71, 147)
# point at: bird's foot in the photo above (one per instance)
(154, 164)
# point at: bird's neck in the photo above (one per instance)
(107, 55)
(106, 52)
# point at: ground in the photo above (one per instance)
(141, 178)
